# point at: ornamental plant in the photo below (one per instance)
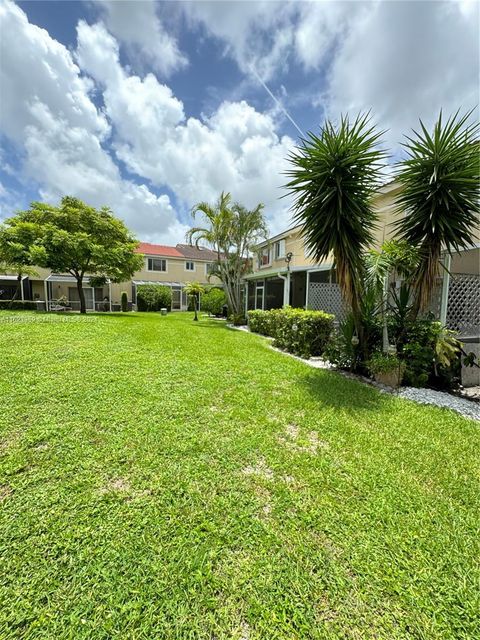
(304, 333)
(153, 297)
(124, 301)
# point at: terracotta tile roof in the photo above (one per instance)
(192, 253)
(158, 250)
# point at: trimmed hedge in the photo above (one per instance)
(152, 297)
(18, 305)
(304, 333)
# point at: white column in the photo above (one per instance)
(21, 290)
(286, 290)
(45, 283)
(445, 287)
(110, 294)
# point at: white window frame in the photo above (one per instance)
(157, 270)
(190, 262)
(280, 249)
(269, 263)
(212, 264)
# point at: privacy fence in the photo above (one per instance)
(463, 307)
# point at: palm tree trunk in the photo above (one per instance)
(385, 338)
(425, 278)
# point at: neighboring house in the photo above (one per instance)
(284, 273)
(170, 266)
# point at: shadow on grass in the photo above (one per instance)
(332, 389)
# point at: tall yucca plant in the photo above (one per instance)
(439, 201)
(333, 179)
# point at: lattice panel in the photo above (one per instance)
(463, 311)
(326, 297)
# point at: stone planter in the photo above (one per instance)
(390, 378)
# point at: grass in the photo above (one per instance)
(164, 479)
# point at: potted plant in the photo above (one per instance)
(386, 368)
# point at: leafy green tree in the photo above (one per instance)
(232, 231)
(14, 258)
(74, 238)
(20, 270)
(333, 178)
(440, 198)
(194, 290)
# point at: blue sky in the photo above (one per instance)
(149, 107)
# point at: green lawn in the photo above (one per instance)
(164, 479)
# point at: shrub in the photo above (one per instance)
(238, 319)
(18, 305)
(340, 349)
(213, 301)
(383, 362)
(261, 322)
(153, 297)
(431, 354)
(124, 301)
(304, 333)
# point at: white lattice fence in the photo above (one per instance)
(463, 310)
(326, 297)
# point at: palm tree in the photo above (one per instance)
(439, 201)
(232, 231)
(194, 290)
(395, 257)
(333, 179)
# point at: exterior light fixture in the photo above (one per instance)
(288, 259)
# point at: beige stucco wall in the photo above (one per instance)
(383, 204)
(175, 272)
(466, 262)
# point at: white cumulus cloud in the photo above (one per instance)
(138, 26)
(48, 113)
(235, 149)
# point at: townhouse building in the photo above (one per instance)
(284, 274)
(167, 265)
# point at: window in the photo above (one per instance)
(279, 249)
(209, 267)
(189, 265)
(264, 257)
(156, 264)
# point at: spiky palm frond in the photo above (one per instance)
(333, 179)
(440, 195)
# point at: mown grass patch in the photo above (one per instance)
(161, 478)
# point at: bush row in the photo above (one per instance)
(304, 333)
(153, 297)
(18, 305)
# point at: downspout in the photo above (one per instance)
(286, 288)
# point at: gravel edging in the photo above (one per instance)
(467, 408)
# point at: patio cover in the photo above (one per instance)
(60, 277)
(166, 284)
